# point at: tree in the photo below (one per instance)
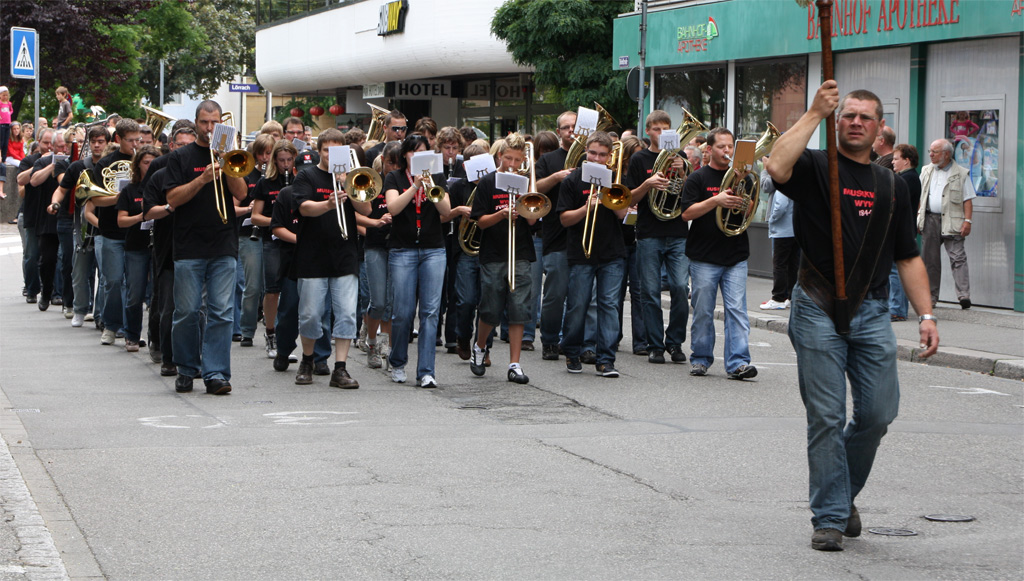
(82, 46)
(569, 45)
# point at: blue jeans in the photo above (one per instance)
(66, 289)
(101, 293)
(631, 284)
(211, 350)
(30, 259)
(83, 275)
(898, 303)
(707, 278)
(319, 297)
(136, 269)
(378, 283)
(467, 291)
(582, 280)
(652, 254)
(112, 267)
(412, 269)
(249, 286)
(287, 324)
(840, 455)
(537, 276)
(556, 284)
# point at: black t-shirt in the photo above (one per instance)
(321, 252)
(154, 194)
(494, 240)
(404, 231)
(378, 237)
(706, 243)
(913, 182)
(198, 229)
(551, 227)
(267, 191)
(459, 195)
(607, 243)
(69, 182)
(108, 215)
(641, 167)
(30, 205)
(46, 223)
(154, 166)
(251, 180)
(130, 200)
(307, 158)
(808, 188)
(66, 210)
(374, 152)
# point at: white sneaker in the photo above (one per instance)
(773, 305)
(428, 382)
(398, 374)
(89, 317)
(271, 345)
(787, 303)
(293, 358)
(68, 313)
(108, 336)
(78, 320)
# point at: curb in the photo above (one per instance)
(995, 364)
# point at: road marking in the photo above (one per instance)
(314, 418)
(165, 422)
(36, 552)
(970, 390)
(760, 344)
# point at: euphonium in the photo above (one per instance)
(618, 196)
(745, 184)
(579, 144)
(363, 184)
(157, 120)
(377, 129)
(468, 229)
(665, 204)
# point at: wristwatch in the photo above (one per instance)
(168, 208)
(924, 318)
(968, 220)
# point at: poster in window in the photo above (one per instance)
(975, 138)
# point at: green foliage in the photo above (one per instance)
(569, 45)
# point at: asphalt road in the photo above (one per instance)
(655, 475)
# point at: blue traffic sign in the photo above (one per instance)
(24, 53)
(244, 88)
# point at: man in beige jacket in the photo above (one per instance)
(944, 218)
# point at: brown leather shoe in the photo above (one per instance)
(305, 374)
(341, 378)
(464, 349)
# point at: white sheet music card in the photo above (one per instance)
(425, 161)
(586, 121)
(340, 158)
(122, 184)
(597, 173)
(512, 183)
(223, 138)
(300, 145)
(479, 166)
(669, 139)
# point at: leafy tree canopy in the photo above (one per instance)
(109, 52)
(569, 45)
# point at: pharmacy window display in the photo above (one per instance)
(975, 138)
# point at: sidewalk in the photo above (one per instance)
(979, 339)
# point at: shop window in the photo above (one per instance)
(701, 92)
(774, 91)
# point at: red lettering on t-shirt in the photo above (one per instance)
(500, 200)
(858, 193)
(713, 190)
(199, 169)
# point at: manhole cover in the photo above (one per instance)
(949, 517)
(893, 532)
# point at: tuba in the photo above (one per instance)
(739, 178)
(363, 184)
(157, 120)
(579, 145)
(665, 204)
(376, 130)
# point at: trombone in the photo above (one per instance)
(531, 205)
(339, 207)
(238, 163)
(614, 198)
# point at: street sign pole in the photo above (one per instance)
(35, 120)
(23, 64)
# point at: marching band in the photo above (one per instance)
(426, 237)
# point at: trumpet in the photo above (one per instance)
(531, 205)
(614, 198)
(435, 193)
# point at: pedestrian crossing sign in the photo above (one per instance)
(24, 53)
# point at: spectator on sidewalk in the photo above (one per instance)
(785, 252)
(945, 219)
(64, 117)
(904, 163)
(883, 147)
